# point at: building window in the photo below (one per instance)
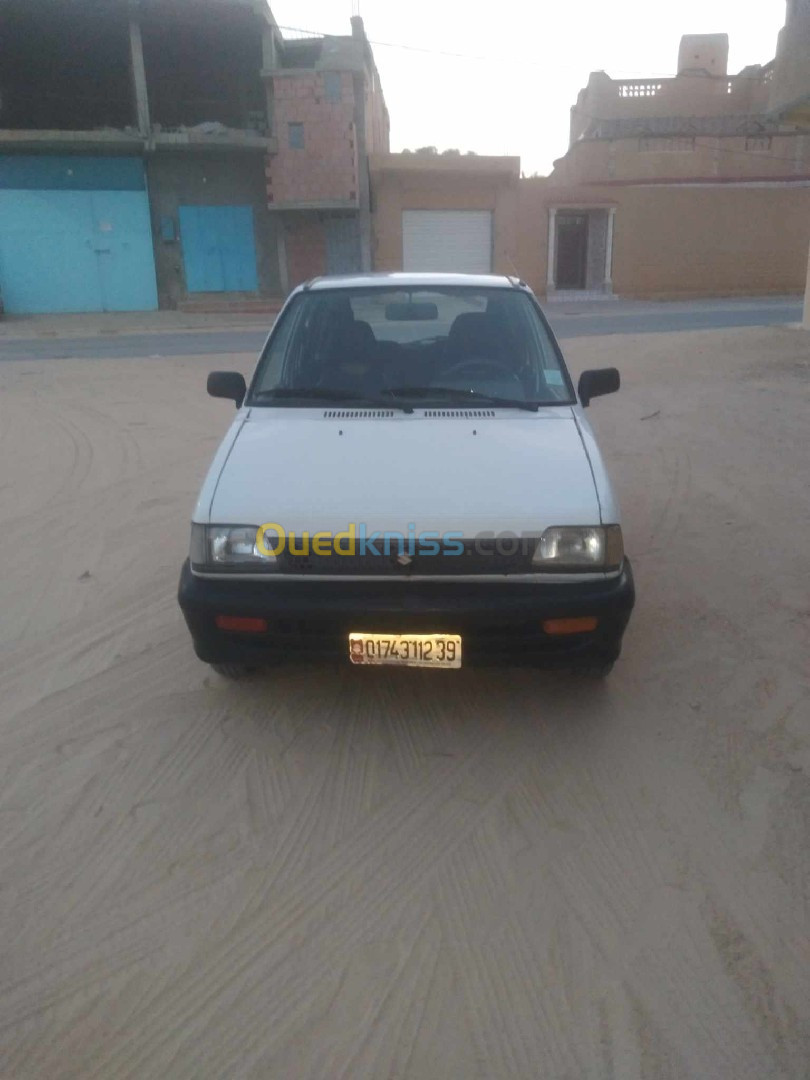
(295, 136)
(332, 87)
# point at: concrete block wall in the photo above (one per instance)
(715, 240)
(411, 182)
(377, 123)
(791, 76)
(774, 157)
(325, 169)
(680, 240)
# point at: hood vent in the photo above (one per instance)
(384, 414)
(357, 414)
(460, 414)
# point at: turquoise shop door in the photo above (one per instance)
(219, 248)
(75, 235)
(123, 248)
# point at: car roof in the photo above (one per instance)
(403, 280)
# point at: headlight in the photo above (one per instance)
(580, 547)
(223, 547)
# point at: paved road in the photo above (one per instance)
(640, 317)
(570, 320)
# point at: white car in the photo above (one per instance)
(409, 479)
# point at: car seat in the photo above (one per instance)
(351, 364)
(474, 335)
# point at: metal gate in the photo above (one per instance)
(219, 248)
(342, 245)
(75, 235)
(455, 240)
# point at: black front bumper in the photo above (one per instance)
(499, 622)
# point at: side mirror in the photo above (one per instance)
(227, 384)
(597, 382)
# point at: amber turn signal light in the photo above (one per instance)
(245, 624)
(582, 625)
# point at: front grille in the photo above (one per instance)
(478, 557)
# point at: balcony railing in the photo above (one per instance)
(636, 88)
(647, 88)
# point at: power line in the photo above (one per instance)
(427, 52)
(495, 59)
(388, 44)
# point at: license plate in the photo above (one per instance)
(407, 650)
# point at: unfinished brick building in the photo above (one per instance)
(328, 115)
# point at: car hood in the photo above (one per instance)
(469, 473)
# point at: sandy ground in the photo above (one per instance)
(338, 873)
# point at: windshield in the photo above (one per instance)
(433, 345)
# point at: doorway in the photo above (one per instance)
(572, 251)
(342, 245)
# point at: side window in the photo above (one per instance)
(295, 136)
(332, 88)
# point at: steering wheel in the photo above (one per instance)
(479, 369)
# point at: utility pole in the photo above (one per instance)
(806, 322)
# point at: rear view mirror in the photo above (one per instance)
(597, 382)
(227, 384)
(411, 312)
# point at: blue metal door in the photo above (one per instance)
(47, 261)
(122, 243)
(219, 249)
(75, 235)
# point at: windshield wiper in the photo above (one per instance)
(462, 395)
(325, 393)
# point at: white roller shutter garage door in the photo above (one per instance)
(456, 241)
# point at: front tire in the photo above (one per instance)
(599, 663)
(594, 669)
(232, 671)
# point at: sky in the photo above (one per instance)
(519, 64)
